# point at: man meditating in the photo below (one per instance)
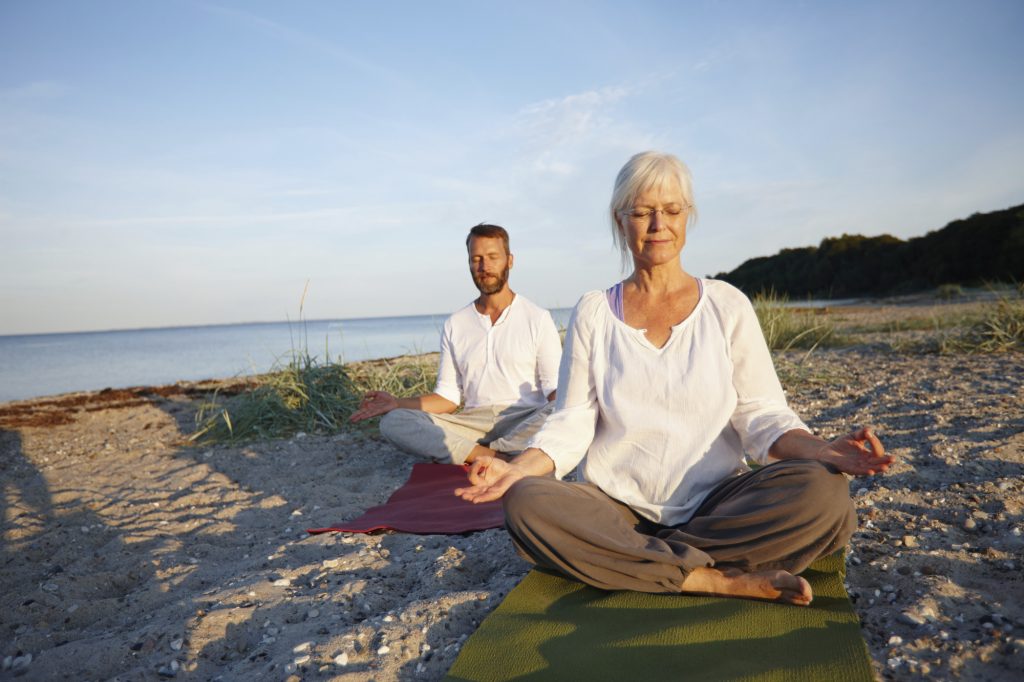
(666, 386)
(499, 354)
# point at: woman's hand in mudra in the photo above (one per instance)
(490, 478)
(858, 453)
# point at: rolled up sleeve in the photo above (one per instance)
(449, 383)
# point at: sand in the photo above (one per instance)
(128, 554)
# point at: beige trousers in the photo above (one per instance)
(451, 437)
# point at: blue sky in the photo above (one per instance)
(175, 163)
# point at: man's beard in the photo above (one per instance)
(491, 285)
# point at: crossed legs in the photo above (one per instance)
(455, 437)
(750, 537)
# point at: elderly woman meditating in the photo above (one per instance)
(666, 386)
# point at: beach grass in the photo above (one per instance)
(405, 376)
(304, 394)
(308, 395)
(931, 323)
(999, 328)
(995, 325)
(787, 328)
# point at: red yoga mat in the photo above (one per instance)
(427, 505)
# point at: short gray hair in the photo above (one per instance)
(642, 172)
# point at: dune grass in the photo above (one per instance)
(787, 328)
(999, 329)
(303, 395)
(405, 376)
(935, 322)
(993, 326)
(309, 396)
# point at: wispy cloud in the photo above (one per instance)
(302, 39)
(37, 90)
(560, 136)
(568, 118)
(218, 219)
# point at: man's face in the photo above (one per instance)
(489, 264)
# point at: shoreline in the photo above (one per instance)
(128, 553)
(151, 363)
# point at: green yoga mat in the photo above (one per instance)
(551, 628)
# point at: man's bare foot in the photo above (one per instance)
(731, 582)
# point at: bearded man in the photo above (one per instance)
(499, 358)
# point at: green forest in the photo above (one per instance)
(984, 248)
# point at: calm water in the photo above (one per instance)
(47, 364)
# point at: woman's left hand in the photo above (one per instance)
(490, 478)
(858, 453)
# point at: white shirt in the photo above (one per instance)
(511, 362)
(658, 428)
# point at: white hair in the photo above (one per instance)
(642, 172)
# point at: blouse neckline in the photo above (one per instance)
(641, 334)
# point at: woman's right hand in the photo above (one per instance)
(490, 477)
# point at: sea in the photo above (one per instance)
(49, 364)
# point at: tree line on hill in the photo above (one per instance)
(984, 248)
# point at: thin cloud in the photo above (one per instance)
(302, 39)
(37, 90)
(214, 219)
(570, 117)
(561, 136)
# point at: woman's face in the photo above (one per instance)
(655, 225)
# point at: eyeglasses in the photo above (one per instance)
(642, 215)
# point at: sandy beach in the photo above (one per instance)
(129, 554)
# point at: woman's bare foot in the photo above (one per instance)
(731, 582)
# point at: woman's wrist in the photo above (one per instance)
(533, 462)
(800, 444)
(824, 451)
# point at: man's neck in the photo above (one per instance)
(493, 305)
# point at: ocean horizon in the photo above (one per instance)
(36, 365)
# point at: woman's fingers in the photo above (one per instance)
(876, 460)
(479, 493)
(478, 470)
(490, 478)
(468, 493)
(876, 444)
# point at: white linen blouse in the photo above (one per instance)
(658, 428)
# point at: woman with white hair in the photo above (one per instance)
(666, 387)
